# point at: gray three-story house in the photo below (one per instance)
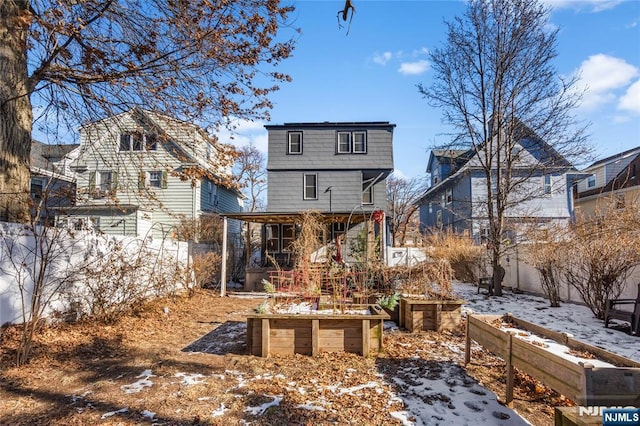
(338, 169)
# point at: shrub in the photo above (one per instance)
(464, 257)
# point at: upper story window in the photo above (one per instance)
(102, 183)
(155, 179)
(546, 184)
(310, 187)
(352, 142)
(212, 193)
(294, 145)
(591, 181)
(449, 196)
(152, 179)
(37, 188)
(138, 141)
(367, 188)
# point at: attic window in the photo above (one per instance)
(591, 181)
(138, 141)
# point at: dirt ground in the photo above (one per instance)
(87, 373)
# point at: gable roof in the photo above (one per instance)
(49, 159)
(527, 139)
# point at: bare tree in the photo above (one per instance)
(402, 195)
(600, 253)
(195, 60)
(497, 86)
(252, 175)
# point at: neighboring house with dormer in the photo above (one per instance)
(140, 173)
(338, 169)
(613, 182)
(52, 181)
(457, 197)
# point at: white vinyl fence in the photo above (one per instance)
(77, 268)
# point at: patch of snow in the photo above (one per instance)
(219, 411)
(113, 413)
(137, 386)
(148, 414)
(190, 379)
(258, 411)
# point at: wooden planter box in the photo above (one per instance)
(310, 334)
(581, 382)
(423, 314)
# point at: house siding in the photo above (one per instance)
(320, 148)
(166, 206)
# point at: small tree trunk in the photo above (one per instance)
(15, 110)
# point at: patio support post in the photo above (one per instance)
(223, 268)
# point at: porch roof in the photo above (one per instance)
(293, 217)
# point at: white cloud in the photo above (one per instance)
(600, 76)
(245, 132)
(414, 68)
(630, 101)
(590, 5)
(420, 52)
(382, 58)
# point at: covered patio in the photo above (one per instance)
(254, 275)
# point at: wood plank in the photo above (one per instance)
(264, 351)
(365, 336)
(315, 337)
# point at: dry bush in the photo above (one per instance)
(206, 267)
(464, 257)
(543, 254)
(429, 279)
(303, 247)
(600, 253)
(206, 229)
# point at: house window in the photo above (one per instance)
(439, 218)
(546, 184)
(102, 183)
(367, 188)
(272, 238)
(295, 143)
(359, 142)
(155, 179)
(352, 142)
(287, 237)
(430, 207)
(337, 229)
(449, 196)
(591, 181)
(344, 142)
(37, 188)
(138, 141)
(212, 193)
(310, 187)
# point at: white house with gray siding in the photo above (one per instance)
(140, 173)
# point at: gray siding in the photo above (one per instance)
(342, 172)
(319, 148)
(285, 192)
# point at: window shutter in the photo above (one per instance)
(92, 182)
(142, 177)
(114, 181)
(163, 183)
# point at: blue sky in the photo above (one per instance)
(371, 74)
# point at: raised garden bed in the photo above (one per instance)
(615, 384)
(416, 314)
(312, 333)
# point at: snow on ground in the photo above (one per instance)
(574, 319)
